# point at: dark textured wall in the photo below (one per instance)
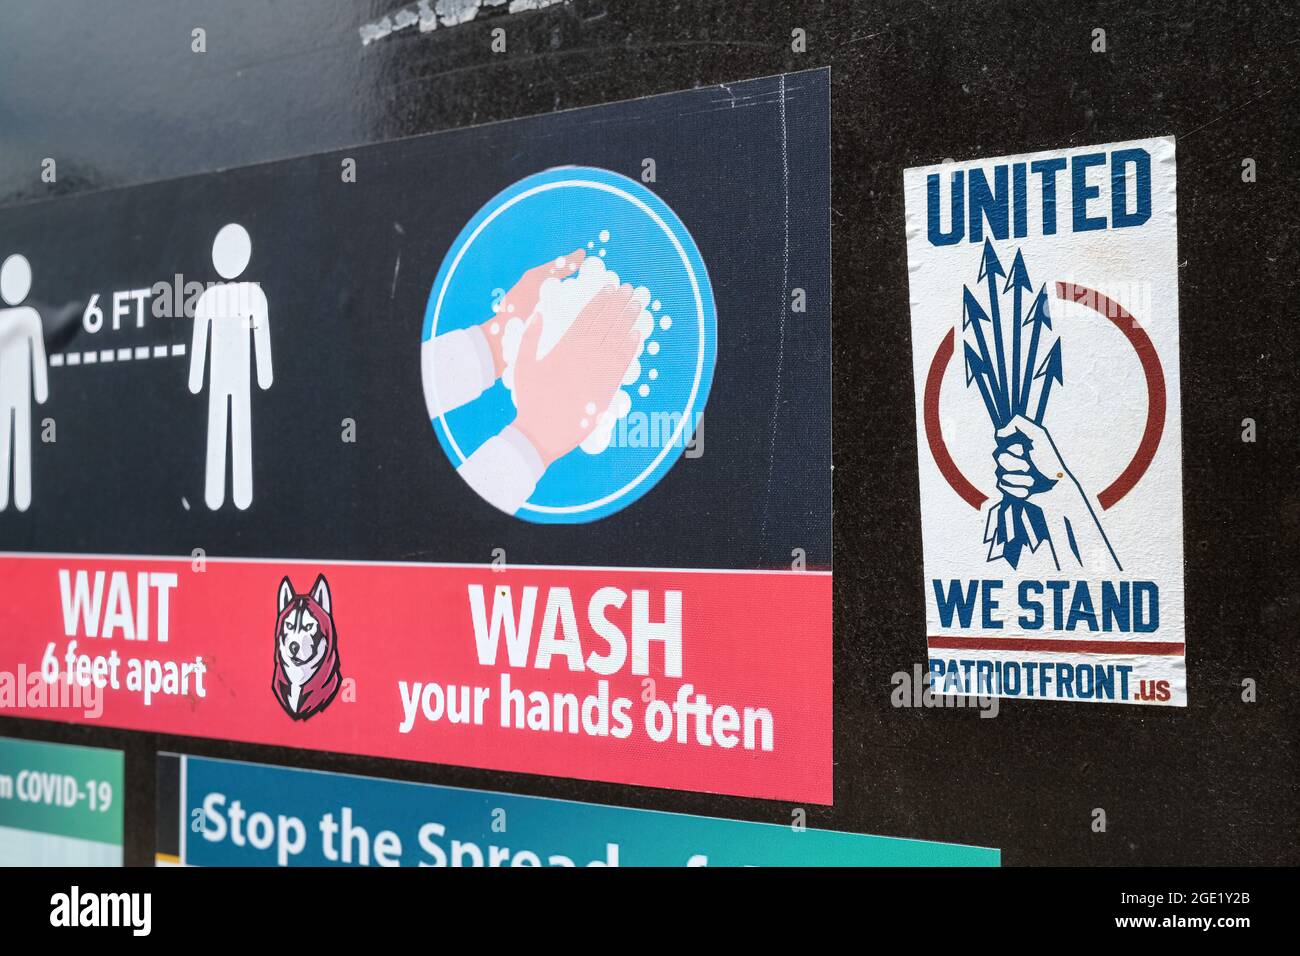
(117, 97)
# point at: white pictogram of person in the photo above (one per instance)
(234, 312)
(22, 374)
(553, 394)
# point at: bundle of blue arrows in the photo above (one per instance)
(1011, 385)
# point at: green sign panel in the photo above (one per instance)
(59, 805)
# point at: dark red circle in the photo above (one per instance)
(1156, 401)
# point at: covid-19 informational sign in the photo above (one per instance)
(228, 813)
(506, 447)
(60, 805)
(1044, 293)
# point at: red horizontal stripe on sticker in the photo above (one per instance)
(1151, 648)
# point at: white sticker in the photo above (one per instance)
(1044, 297)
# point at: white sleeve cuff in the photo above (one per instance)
(504, 470)
(457, 368)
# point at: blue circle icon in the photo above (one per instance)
(568, 346)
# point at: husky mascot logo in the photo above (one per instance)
(306, 650)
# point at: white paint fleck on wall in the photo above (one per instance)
(428, 15)
(452, 12)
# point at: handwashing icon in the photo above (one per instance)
(559, 306)
(564, 383)
(534, 402)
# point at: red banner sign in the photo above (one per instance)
(699, 680)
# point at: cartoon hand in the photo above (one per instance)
(1027, 459)
(560, 396)
(521, 300)
(1029, 464)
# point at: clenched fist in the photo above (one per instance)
(1027, 459)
